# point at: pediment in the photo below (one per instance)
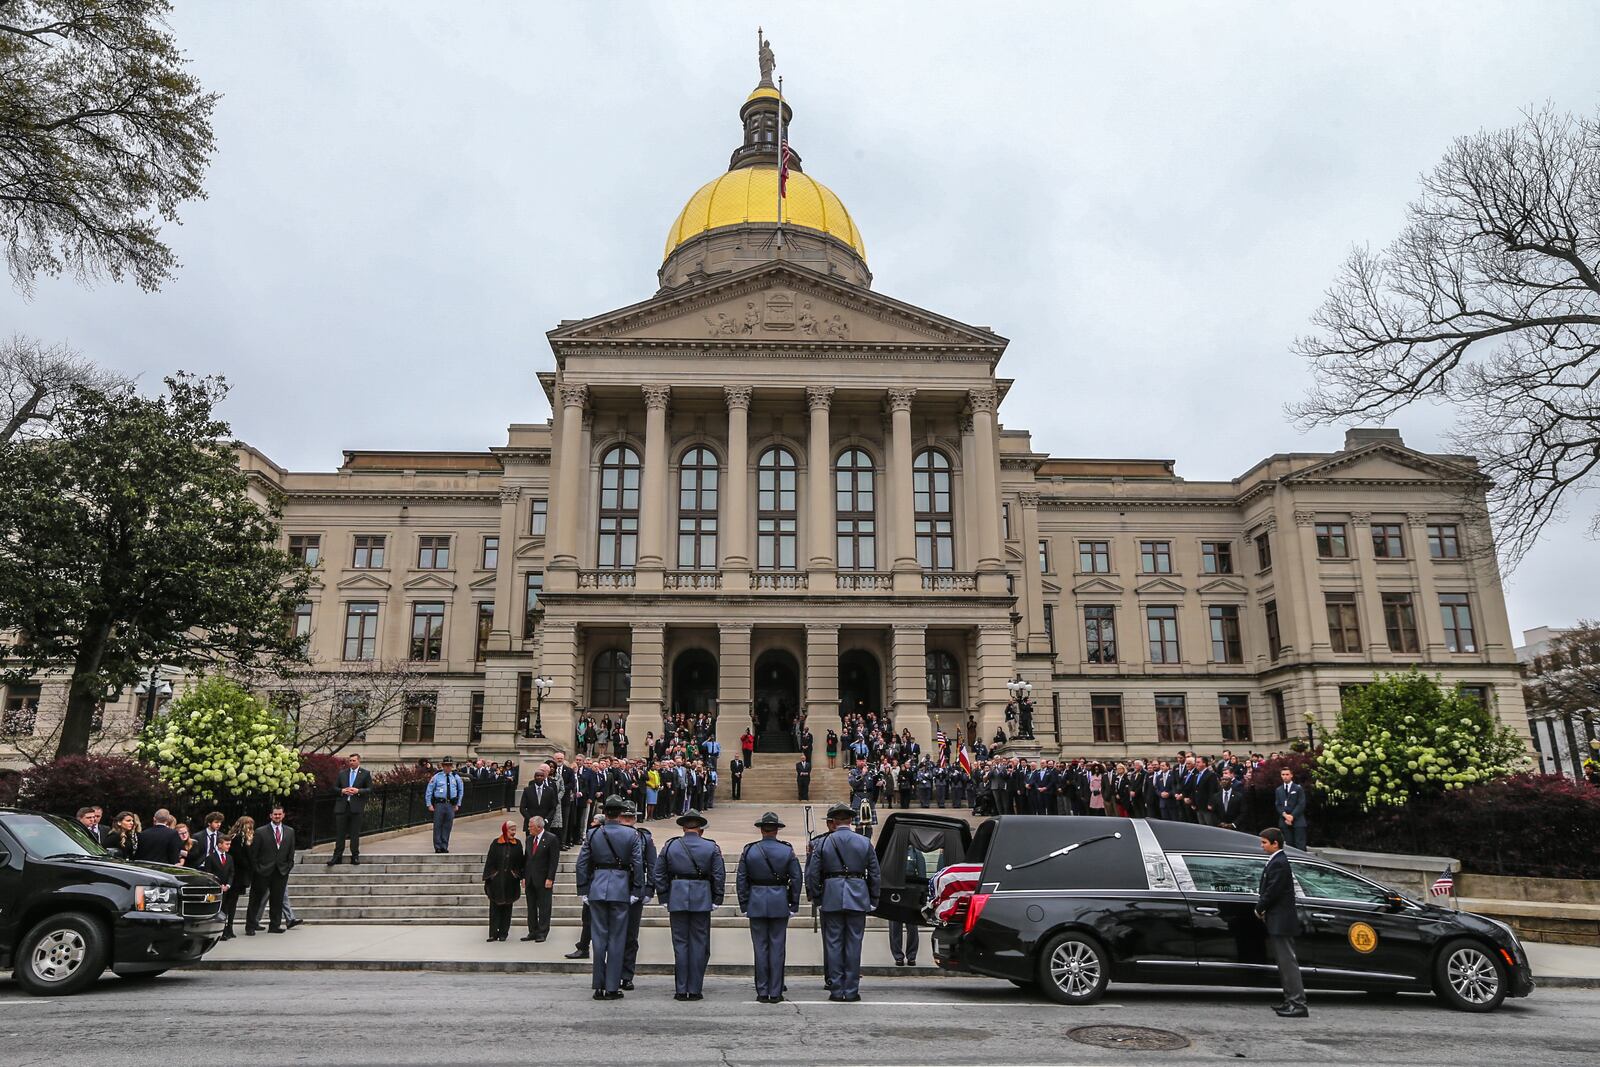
(486, 582)
(364, 580)
(430, 583)
(1224, 585)
(1159, 587)
(1385, 462)
(531, 549)
(1049, 586)
(777, 304)
(1097, 586)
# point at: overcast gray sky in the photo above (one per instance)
(1147, 198)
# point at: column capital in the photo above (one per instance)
(656, 396)
(1269, 524)
(900, 399)
(1361, 518)
(1305, 518)
(738, 396)
(819, 397)
(965, 424)
(573, 396)
(1028, 499)
(985, 400)
(648, 628)
(509, 494)
(910, 628)
(735, 628)
(822, 627)
(1416, 519)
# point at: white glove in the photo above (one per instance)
(634, 900)
(583, 900)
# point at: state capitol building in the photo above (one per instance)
(768, 488)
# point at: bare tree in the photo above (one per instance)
(1489, 300)
(37, 381)
(111, 732)
(331, 708)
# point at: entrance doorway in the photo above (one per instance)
(860, 683)
(694, 682)
(776, 696)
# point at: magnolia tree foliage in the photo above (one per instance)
(217, 739)
(1403, 736)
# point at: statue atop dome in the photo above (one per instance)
(764, 57)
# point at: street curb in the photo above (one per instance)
(724, 970)
(1565, 982)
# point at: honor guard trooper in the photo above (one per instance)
(610, 878)
(691, 880)
(860, 778)
(768, 883)
(940, 778)
(630, 955)
(958, 787)
(924, 783)
(842, 876)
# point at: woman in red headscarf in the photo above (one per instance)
(502, 880)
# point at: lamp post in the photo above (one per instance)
(1020, 692)
(154, 689)
(541, 689)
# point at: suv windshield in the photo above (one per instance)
(46, 835)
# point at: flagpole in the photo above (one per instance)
(780, 162)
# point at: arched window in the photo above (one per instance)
(944, 680)
(619, 509)
(697, 510)
(776, 508)
(930, 481)
(853, 503)
(610, 679)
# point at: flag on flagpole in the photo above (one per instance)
(1444, 885)
(783, 167)
(965, 759)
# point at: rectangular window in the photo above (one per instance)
(697, 542)
(1163, 627)
(485, 626)
(1100, 633)
(533, 587)
(1235, 709)
(1050, 625)
(1155, 557)
(1094, 557)
(422, 709)
(538, 516)
(1280, 713)
(1388, 541)
(1344, 629)
(300, 623)
(427, 632)
(1216, 557)
(307, 548)
(361, 630)
(369, 552)
(433, 553)
(1005, 521)
(1443, 542)
(1274, 637)
(1106, 709)
(1400, 622)
(1044, 557)
(1456, 613)
(1477, 693)
(1226, 644)
(491, 553)
(475, 721)
(777, 541)
(1264, 551)
(21, 712)
(857, 544)
(1331, 541)
(1172, 717)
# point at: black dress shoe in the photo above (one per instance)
(615, 994)
(530, 937)
(763, 1000)
(492, 937)
(775, 1000)
(853, 998)
(292, 923)
(599, 994)
(539, 938)
(836, 997)
(911, 963)
(276, 930)
(697, 996)
(249, 933)
(627, 986)
(1293, 1013)
(580, 954)
(333, 863)
(355, 861)
(680, 996)
(899, 963)
(227, 935)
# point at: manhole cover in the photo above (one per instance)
(1138, 1038)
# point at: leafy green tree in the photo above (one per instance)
(131, 538)
(1403, 736)
(102, 135)
(217, 739)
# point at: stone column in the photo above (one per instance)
(819, 489)
(983, 483)
(558, 662)
(822, 675)
(1035, 639)
(735, 523)
(505, 628)
(646, 683)
(1376, 637)
(564, 545)
(994, 666)
(1430, 627)
(966, 551)
(733, 685)
(908, 673)
(902, 508)
(653, 490)
(1308, 579)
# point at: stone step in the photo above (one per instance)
(572, 915)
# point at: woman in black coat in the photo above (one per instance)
(243, 836)
(502, 880)
(122, 840)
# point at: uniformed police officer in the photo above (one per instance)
(768, 884)
(630, 954)
(691, 880)
(859, 776)
(610, 877)
(924, 783)
(842, 875)
(940, 778)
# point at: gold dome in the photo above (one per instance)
(750, 194)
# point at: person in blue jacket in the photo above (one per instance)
(610, 878)
(768, 883)
(842, 875)
(691, 880)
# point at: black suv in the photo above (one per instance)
(68, 910)
(1066, 904)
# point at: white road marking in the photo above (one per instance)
(927, 1003)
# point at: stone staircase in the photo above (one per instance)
(447, 890)
(771, 781)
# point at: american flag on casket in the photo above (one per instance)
(950, 889)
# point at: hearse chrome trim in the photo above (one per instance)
(1157, 873)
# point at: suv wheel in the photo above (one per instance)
(1073, 969)
(61, 955)
(1468, 977)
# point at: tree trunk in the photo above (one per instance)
(83, 692)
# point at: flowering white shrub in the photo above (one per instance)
(219, 740)
(1403, 736)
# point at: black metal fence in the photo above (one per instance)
(394, 807)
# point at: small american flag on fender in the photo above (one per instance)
(1443, 886)
(950, 887)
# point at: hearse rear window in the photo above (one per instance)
(1031, 847)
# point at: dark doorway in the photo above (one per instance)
(694, 682)
(776, 698)
(860, 683)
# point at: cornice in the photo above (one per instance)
(715, 349)
(491, 496)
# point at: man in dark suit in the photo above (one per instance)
(539, 799)
(543, 860)
(221, 865)
(1205, 793)
(89, 822)
(1276, 908)
(272, 858)
(1290, 801)
(160, 843)
(354, 783)
(735, 778)
(207, 841)
(802, 778)
(1230, 803)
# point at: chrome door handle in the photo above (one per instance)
(1323, 915)
(1208, 911)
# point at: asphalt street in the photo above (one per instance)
(355, 1018)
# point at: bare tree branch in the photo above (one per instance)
(38, 381)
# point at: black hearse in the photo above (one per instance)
(69, 910)
(1066, 904)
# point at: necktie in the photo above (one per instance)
(277, 834)
(534, 851)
